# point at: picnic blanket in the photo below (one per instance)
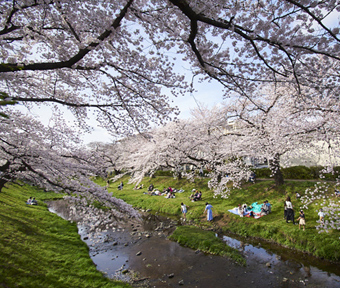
(256, 209)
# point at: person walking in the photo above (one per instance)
(208, 211)
(184, 210)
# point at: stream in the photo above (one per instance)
(141, 254)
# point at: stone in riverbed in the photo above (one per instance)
(138, 253)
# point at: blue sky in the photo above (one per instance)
(209, 94)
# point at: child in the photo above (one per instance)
(321, 215)
(302, 220)
(184, 210)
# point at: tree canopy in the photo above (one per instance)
(123, 59)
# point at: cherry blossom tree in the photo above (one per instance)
(118, 59)
(89, 63)
(271, 124)
(192, 143)
(51, 158)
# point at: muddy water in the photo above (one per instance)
(141, 254)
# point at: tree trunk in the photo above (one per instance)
(2, 183)
(3, 169)
(274, 165)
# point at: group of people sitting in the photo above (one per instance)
(337, 193)
(32, 201)
(195, 196)
(254, 209)
(168, 192)
(138, 187)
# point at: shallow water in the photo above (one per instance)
(134, 252)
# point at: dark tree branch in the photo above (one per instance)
(8, 67)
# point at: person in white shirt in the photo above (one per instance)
(321, 214)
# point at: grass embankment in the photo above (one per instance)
(271, 227)
(40, 249)
(206, 241)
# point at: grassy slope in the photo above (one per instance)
(206, 241)
(40, 249)
(272, 227)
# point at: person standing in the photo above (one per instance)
(322, 216)
(302, 220)
(208, 211)
(290, 211)
(184, 210)
(285, 210)
(201, 172)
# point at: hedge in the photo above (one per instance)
(300, 172)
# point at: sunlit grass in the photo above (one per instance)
(271, 227)
(205, 241)
(40, 249)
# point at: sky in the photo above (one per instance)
(208, 94)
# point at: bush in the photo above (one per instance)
(168, 173)
(262, 173)
(294, 172)
(297, 172)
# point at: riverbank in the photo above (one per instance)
(271, 228)
(40, 249)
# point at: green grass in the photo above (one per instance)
(40, 249)
(272, 227)
(205, 241)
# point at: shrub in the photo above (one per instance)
(262, 173)
(164, 173)
(297, 172)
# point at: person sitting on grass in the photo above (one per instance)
(302, 220)
(34, 202)
(193, 195)
(264, 209)
(170, 195)
(269, 206)
(198, 196)
(29, 201)
(150, 188)
(240, 210)
(120, 186)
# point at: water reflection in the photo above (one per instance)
(268, 265)
(256, 254)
